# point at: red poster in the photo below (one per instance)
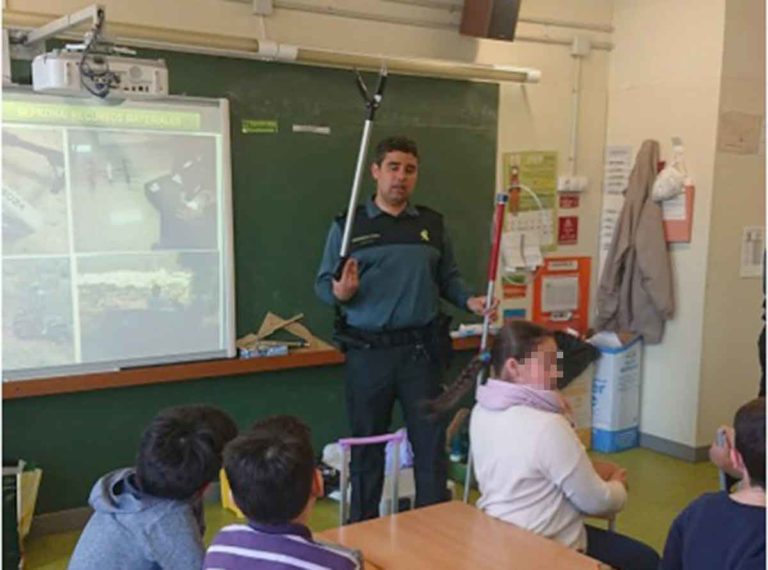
(568, 230)
(569, 201)
(561, 293)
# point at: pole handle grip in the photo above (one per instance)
(493, 262)
(340, 267)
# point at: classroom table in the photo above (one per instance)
(453, 536)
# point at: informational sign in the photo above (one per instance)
(739, 133)
(616, 171)
(561, 293)
(568, 230)
(535, 210)
(568, 201)
(677, 216)
(752, 251)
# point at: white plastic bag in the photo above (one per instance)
(669, 183)
(673, 177)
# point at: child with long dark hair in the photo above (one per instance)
(531, 468)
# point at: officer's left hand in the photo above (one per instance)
(477, 306)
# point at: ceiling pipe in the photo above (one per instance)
(250, 48)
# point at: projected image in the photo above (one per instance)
(145, 305)
(37, 313)
(143, 191)
(116, 233)
(34, 192)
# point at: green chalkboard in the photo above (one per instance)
(287, 187)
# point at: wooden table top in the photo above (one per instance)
(452, 536)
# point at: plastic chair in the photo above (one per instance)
(346, 445)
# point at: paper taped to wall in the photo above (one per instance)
(559, 294)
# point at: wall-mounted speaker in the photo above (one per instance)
(494, 19)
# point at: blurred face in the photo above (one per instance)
(540, 370)
(395, 178)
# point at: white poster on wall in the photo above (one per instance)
(559, 294)
(752, 251)
(617, 167)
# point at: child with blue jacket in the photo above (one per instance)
(150, 516)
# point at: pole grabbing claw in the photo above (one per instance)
(372, 103)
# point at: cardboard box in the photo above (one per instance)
(579, 396)
(616, 393)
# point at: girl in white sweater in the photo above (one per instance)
(531, 468)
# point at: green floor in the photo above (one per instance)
(659, 488)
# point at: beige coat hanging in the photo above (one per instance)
(635, 292)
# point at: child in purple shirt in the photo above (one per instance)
(275, 483)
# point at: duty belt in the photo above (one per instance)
(354, 337)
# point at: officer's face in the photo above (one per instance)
(396, 177)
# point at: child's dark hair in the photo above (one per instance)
(180, 450)
(270, 469)
(289, 425)
(392, 144)
(223, 427)
(516, 339)
(749, 425)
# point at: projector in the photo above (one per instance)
(61, 73)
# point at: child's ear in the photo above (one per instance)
(511, 369)
(318, 488)
(737, 460)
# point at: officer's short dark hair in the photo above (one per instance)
(749, 425)
(270, 469)
(396, 143)
(180, 450)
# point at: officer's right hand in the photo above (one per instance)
(346, 287)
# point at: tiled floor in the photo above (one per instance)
(659, 488)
